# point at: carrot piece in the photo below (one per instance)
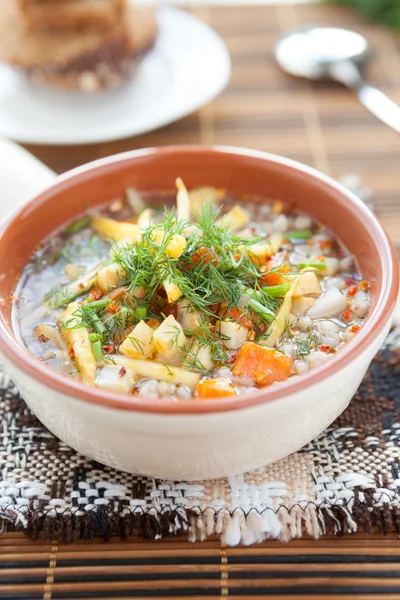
(352, 291)
(272, 278)
(326, 349)
(347, 315)
(153, 323)
(275, 277)
(96, 293)
(113, 308)
(215, 388)
(264, 365)
(354, 329)
(204, 255)
(240, 317)
(118, 292)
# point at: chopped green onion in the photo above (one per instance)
(96, 304)
(95, 337)
(77, 225)
(261, 310)
(97, 351)
(97, 323)
(124, 315)
(141, 312)
(311, 265)
(276, 291)
(299, 234)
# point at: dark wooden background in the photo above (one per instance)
(322, 125)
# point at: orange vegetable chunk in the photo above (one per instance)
(264, 365)
(215, 388)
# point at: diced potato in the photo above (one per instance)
(135, 200)
(332, 266)
(72, 271)
(139, 343)
(156, 370)
(74, 289)
(51, 333)
(172, 291)
(168, 339)
(182, 201)
(175, 247)
(360, 304)
(200, 357)
(145, 218)
(308, 285)
(117, 230)
(188, 318)
(201, 195)
(110, 276)
(259, 253)
(232, 334)
(282, 320)
(329, 305)
(139, 292)
(236, 218)
(263, 250)
(275, 241)
(246, 296)
(78, 341)
(245, 234)
(111, 379)
(301, 305)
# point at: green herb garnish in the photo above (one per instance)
(276, 291)
(77, 225)
(298, 234)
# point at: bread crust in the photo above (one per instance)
(60, 15)
(87, 60)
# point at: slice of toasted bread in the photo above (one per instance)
(85, 59)
(54, 15)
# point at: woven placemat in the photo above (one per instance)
(346, 479)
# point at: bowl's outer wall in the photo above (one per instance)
(195, 447)
(250, 432)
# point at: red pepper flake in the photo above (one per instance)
(352, 290)
(96, 293)
(81, 286)
(326, 349)
(364, 285)
(43, 339)
(122, 372)
(108, 348)
(325, 244)
(112, 308)
(347, 314)
(354, 329)
(71, 353)
(350, 281)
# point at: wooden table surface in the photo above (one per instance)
(322, 125)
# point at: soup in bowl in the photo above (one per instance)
(192, 312)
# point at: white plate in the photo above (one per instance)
(188, 66)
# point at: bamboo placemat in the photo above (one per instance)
(322, 125)
(359, 568)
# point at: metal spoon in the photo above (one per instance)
(330, 52)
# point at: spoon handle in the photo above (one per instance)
(376, 101)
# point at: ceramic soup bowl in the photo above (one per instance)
(197, 439)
